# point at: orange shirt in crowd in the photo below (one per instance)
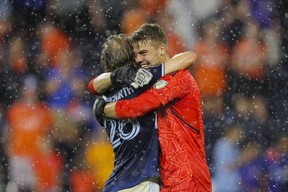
(28, 124)
(48, 167)
(53, 43)
(210, 70)
(82, 181)
(152, 6)
(132, 19)
(249, 58)
(175, 44)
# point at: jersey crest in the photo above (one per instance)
(160, 84)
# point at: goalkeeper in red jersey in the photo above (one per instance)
(177, 100)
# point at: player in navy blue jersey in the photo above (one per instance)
(134, 141)
(135, 145)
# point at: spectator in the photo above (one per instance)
(226, 153)
(65, 142)
(3, 160)
(215, 120)
(29, 122)
(252, 112)
(18, 59)
(8, 80)
(210, 70)
(48, 166)
(175, 42)
(152, 7)
(134, 16)
(27, 15)
(64, 81)
(249, 62)
(53, 42)
(253, 167)
(234, 16)
(185, 21)
(277, 157)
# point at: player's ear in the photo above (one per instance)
(162, 49)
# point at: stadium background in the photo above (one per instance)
(52, 47)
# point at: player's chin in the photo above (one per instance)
(145, 65)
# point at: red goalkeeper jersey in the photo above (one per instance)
(176, 97)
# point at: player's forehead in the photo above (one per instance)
(143, 45)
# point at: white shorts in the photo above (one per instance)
(146, 186)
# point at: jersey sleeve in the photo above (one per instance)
(137, 107)
(165, 90)
(91, 88)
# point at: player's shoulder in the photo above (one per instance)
(182, 74)
(178, 75)
(181, 78)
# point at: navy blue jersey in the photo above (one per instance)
(134, 141)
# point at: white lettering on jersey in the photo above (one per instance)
(124, 92)
(127, 130)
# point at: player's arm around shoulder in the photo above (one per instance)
(167, 89)
(100, 84)
(180, 61)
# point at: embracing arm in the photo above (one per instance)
(176, 86)
(180, 61)
(137, 107)
(100, 84)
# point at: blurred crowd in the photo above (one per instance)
(50, 49)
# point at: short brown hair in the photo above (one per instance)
(150, 31)
(117, 52)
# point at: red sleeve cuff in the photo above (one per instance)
(91, 87)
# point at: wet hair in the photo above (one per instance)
(117, 52)
(150, 31)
